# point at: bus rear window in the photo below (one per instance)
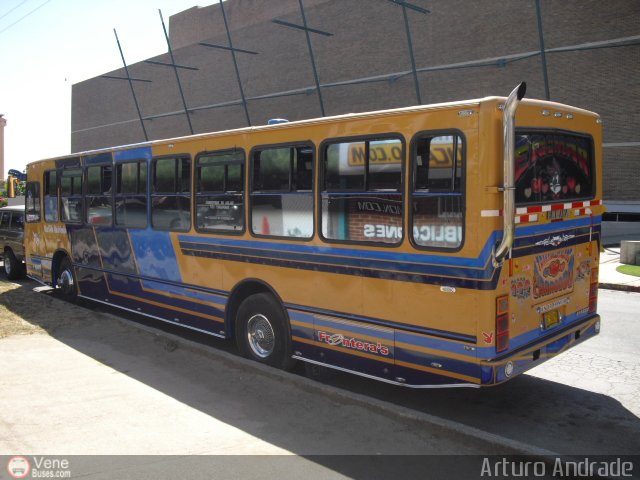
(553, 167)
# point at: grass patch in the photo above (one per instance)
(629, 270)
(12, 323)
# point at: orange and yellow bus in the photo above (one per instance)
(453, 244)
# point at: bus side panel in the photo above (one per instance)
(148, 279)
(389, 353)
(42, 240)
(426, 360)
(353, 345)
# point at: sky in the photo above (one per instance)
(46, 46)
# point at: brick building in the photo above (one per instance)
(461, 50)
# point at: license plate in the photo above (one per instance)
(550, 319)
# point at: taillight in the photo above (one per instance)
(593, 291)
(502, 323)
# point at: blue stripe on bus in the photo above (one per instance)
(185, 308)
(259, 252)
(203, 248)
(365, 254)
(437, 361)
(425, 264)
(316, 322)
(466, 272)
(132, 154)
(488, 284)
(563, 237)
(557, 226)
(184, 291)
(419, 340)
(98, 158)
(308, 314)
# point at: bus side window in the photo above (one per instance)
(282, 191)
(32, 202)
(220, 192)
(98, 205)
(131, 194)
(437, 201)
(171, 195)
(51, 196)
(362, 191)
(71, 195)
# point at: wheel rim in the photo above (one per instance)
(7, 265)
(65, 282)
(262, 339)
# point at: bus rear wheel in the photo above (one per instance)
(66, 285)
(262, 331)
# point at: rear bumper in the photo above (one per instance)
(505, 367)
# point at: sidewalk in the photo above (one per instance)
(610, 278)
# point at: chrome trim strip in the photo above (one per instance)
(380, 379)
(153, 316)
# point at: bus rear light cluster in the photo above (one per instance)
(593, 291)
(502, 323)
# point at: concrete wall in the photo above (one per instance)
(369, 40)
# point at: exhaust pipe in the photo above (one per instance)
(508, 188)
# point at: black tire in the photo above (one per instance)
(263, 333)
(66, 285)
(13, 269)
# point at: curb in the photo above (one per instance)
(510, 446)
(620, 287)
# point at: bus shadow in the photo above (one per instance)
(536, 412)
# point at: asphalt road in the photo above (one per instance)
(99, 385)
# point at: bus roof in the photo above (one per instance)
(472, 103)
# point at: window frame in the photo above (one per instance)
(86, 196)
(401, 191)
(39, 200)
(74, 195)
(151, 194)
(251, 193)
(195, 194)
(45, 183)
(119, 196)
(439, 192)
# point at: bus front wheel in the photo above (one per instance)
(262, 331)
(66, 285)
